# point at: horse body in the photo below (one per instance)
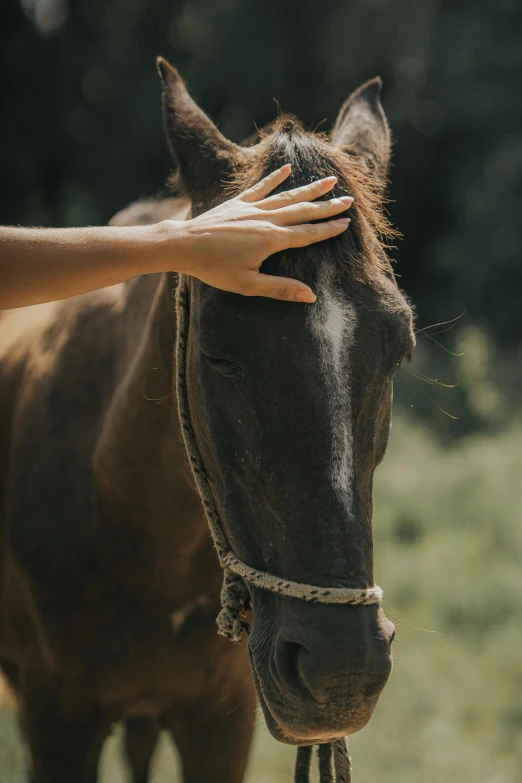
(110, 584)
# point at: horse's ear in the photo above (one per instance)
(205, 158)
(362, 129)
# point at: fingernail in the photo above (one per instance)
(343, 220)
(286, 166)
(346, 199)
(305, 296)
(330, 179)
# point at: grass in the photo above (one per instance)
(448, 543)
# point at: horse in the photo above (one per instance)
(110, 582)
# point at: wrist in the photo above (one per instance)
(173, 246)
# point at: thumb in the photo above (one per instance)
(284, 288)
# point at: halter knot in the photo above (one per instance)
(235, 602)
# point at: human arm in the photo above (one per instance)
(224, 247)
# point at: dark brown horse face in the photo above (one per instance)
(291, 405)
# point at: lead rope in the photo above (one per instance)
(334, 761)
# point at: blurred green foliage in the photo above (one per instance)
(81, 134)
(448, 545)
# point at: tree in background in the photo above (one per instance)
(81, 135)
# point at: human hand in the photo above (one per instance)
(226, 246)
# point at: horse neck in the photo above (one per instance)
(152, 531)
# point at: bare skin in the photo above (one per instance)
(223, 247)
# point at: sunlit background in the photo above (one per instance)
(81, 136)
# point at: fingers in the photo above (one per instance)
(304, 193)
(307, 234)
(284, 288)
(267, 184)
(304, 211)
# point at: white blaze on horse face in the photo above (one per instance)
(333, 321)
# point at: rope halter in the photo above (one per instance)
(235, 595)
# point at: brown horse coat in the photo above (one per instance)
(109, 582)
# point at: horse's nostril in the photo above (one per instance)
(292, 653)
(306, 674)
(288, 666)
(328, 671)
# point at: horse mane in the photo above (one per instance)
(362, 249)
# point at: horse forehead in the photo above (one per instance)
(333, 321)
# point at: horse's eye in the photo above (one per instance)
(228, 368)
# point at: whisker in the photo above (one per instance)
(239, 704)
(425, 334)
(446, 329)
(442, 323)
(400, 622)
(449, 415)
(419, 377)
(432, 381)
(235, 688)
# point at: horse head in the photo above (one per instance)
(291, 409)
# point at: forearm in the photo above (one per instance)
(223, 247)
(42, 264)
